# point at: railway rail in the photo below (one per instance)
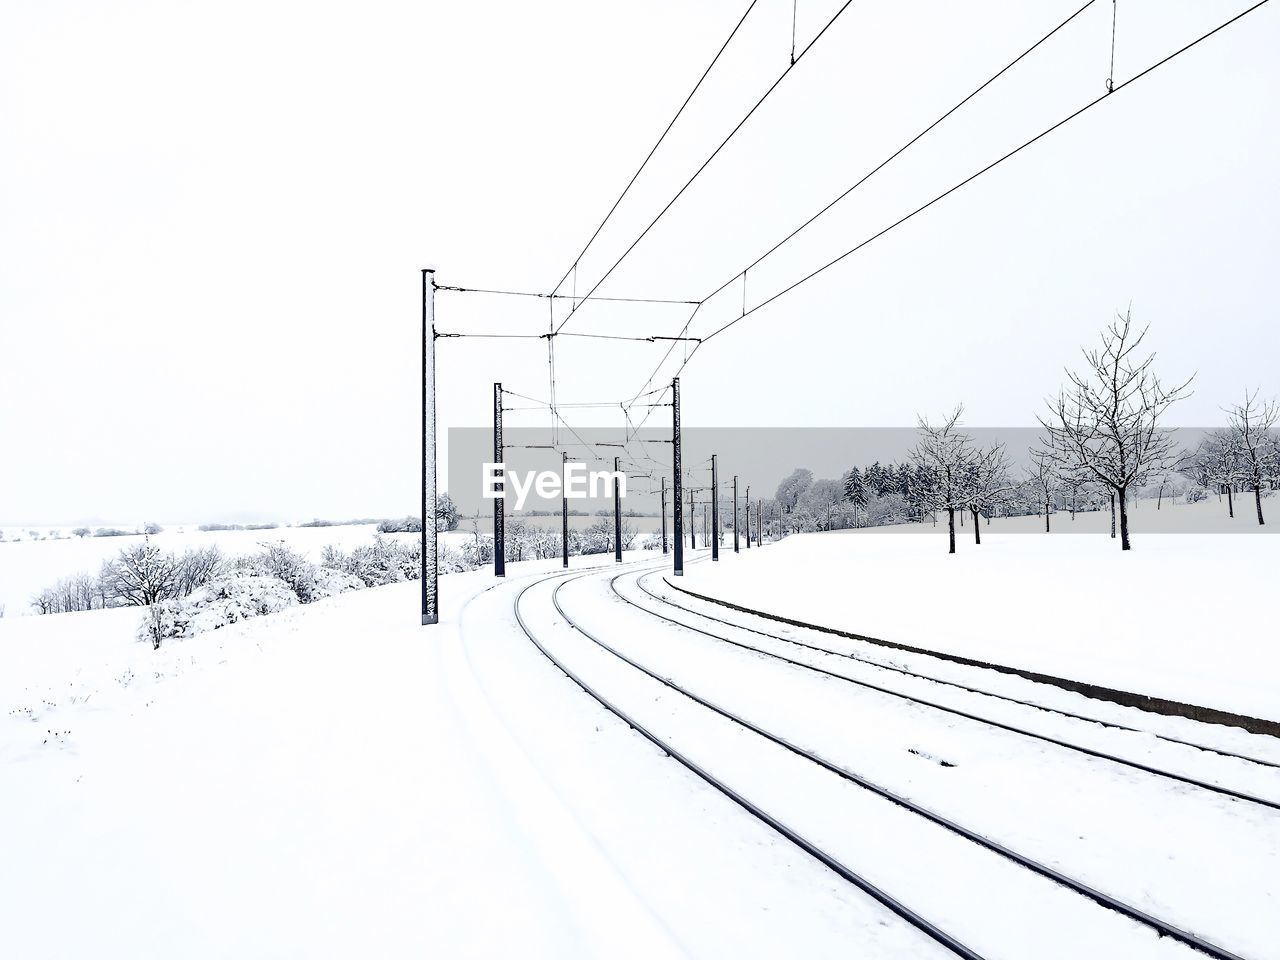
(1162, 927)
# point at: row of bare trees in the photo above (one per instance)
(138, 576)
(1103, 431)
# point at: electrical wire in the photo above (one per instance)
(714, 153)
(558, 296)
(991, 166)
(635, 176)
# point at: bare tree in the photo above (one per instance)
(1108, 421)
(945, 455)
(197, 567)
(988, 483)
(1217, 464)
(1044, 479)
(1257, 452)
(139, 576)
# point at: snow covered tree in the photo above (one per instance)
(947, 454)
(1217, 465)
(447, 515)
(1107, 422)
(855, 489)
(140, 576)
(1043, 478)
(1256, 448)
(988, 483)
(790, 489)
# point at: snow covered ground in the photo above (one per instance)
(337, 780)
(314, 783)
(1182, 616)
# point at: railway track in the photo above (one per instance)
(866, 684)
(880, 896)
(911, 673)
(1161, 927)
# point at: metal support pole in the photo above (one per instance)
(676, 519)
(748, 516)
(735, 514)
(564, 510)
(499, 503)
(693, 522)
(617, 512)
(430, 585)
(664, 515)
(828, 518)
(759, 523)
(715, 508)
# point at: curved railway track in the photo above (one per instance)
(1161, 927)
(1088, 751)
(880, 896)
(922, 676)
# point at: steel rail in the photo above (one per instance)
(949, 683)
(1088, 751)
(880, 896)
(1163, 927)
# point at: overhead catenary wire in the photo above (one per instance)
(559, 296)
(714, 153)
(573, 269)
(896, 154)
(862, 180)
(990, 166)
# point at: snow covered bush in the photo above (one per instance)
(383, 561)
(650, 541)
(215, 605)
(280, 561)
(403, 525)
(330, 582)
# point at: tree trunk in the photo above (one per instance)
(951, 528)
(1257, 499)
(1124, 522)
(1046, 514)
(977, 529)
(1231, 510)
(1113, 514)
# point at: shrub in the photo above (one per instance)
(382, 562)
(81, 532)
(279, 561)
(215, 605)
(404, 525)
(150, 529)
(112, 532)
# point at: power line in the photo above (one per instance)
(557, 296)
(714, 153)
(654, 149)
(995, 163)
(897, 153)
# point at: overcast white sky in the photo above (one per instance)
(212, 217)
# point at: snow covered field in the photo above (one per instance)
(1181, 616)
(336, 780)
